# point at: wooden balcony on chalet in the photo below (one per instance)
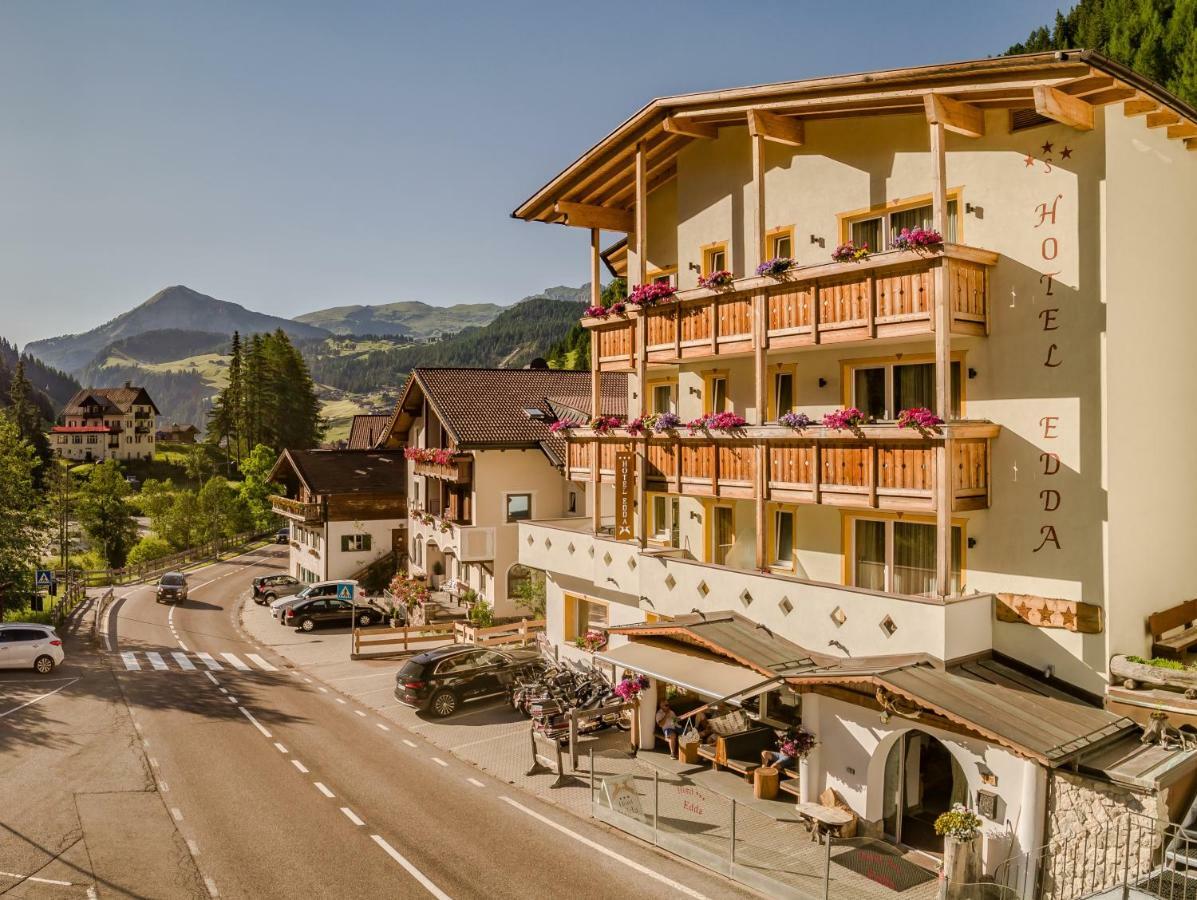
(458, 471)
(309, 513)
(881, 467)
(888, 295)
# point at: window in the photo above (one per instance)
(417, 550)
(723, 534)
(882, 390)
(666, 523)
(664, 276)
(779, 243)
(355, 543)
(899, 556)
(583, 614)
(716, 393)
(782, 706)
(663, 397)
(572, 504)
(783, 538)
(878, 228)
(519, 507)
(714, 259)
(519, 577)
(783, 392)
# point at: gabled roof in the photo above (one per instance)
(604, 176)
(327, 472)
(366, 431)
(485, 408)
(113, 401)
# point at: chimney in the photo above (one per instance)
(128, 384)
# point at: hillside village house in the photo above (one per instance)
(482, 460)
(174, 433)
(367, 431)
(346, 509)
(950, 594)
(106, 423)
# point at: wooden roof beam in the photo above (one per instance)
(1082, 87)
(1183, 130)
(1161, 118)
(1110, 95)
(1191, 144)
(687, 127)
(1139, 106)
(961, 118)
(583, 215)
(779, 129)
(1063, 108)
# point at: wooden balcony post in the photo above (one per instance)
(640, 325)
(596, 489)
(641, 448)
(941, 318)
(761, 482)
(758, 190)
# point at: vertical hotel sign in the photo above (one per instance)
(625, 483)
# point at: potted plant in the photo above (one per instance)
(920, 239)
(797, 743)
(666, 422)
(651, 293)
(604, 424)
(630, 686)
(775, 268)
(591, 641)
(921, 419)
(637, 426)
(849, 252)
(724, 421)
(960, 828)
(847, 419)
(717, 281)
(797, 421)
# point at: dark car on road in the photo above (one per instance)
(441, 680)
(172, 588)
(268, 588)
(282, 536)
(310, 614)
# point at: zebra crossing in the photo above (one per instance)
(177, 661)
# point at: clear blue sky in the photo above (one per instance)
(292, 156)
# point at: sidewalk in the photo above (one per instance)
(773, 852)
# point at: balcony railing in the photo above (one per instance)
(887, 295)
(457, 472)
(295, 509)
(880, 467)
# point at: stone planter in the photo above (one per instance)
(961, 868)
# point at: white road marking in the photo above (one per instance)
(351, 816)
(475, 782)
(9, 712)
(324, 690)
(208, 661)
(307, 680)
(260, 663)
(411, 870)
(163, 787)
(35, 878)
(440, 762)
(156, 661)
(211, 885)
(177, 813)
(279, 747)
(235, 662)
(322, 789)
(183, 661)
(170, 617)
(360, 713)
(153, 762)
(233, 699)
(339, 700)
(91, 890)
(409, 743)
(224, 690)
(257, 724)
(383, 727)
(302, 768)
(594, 845)
(193, 847)
(130, 659)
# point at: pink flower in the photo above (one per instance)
(653, 292)
(849, 419)
(919, 418)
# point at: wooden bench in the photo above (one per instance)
(739, 752)
(1166, 640)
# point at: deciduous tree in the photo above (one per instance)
(106, 514)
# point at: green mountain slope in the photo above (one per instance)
(410, 318)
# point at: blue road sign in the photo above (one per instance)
(344, 591)
(45, 578)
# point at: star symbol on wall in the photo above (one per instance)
(1024, 611)
(1068, 616)
(1030, 161)
(1066, 153)
(1045, 614)
(1047, 146)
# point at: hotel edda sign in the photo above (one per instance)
(625, 485)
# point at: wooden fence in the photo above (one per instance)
(210, 550)
(389, 641)
(522, 632)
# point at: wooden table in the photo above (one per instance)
(824, 819)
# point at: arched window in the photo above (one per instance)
(526, 586)
(417, 552)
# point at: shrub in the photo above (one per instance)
(148, 549)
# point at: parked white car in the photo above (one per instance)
(24, 645)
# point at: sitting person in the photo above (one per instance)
(784, 757)
(667, 722)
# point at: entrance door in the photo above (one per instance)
(922, 780)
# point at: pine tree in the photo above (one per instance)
(22, 511)
(23, 413)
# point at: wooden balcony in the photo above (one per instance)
(458, 471)
(308, 513)
(887, 295)
(881, 467)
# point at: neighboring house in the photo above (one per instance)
(482, 459)
(106, 423)
(347, 509)
(175, 433)
(949, 596)
(366, 431)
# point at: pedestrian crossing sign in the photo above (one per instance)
(45, 578)
(344, 591)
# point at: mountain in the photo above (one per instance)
(176, 308)
(420, 321)
(54, 388)
(518, 335)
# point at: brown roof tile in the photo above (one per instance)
(366, 431)
(346, 471)
(113, 400)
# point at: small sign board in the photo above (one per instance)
(625, 495)
(622, 796)
(344, 591)
(45, 578)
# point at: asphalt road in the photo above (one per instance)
(249, 780)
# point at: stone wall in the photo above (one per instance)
(1096, 832)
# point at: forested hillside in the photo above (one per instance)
(519, 335)
(1156, 38)
(57, 387)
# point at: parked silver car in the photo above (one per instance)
(268, 588)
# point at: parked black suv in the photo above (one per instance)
(310, 614)
(441, 680)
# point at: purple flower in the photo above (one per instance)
(775, 267)
(797, 421)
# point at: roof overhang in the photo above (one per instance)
(598, 189)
